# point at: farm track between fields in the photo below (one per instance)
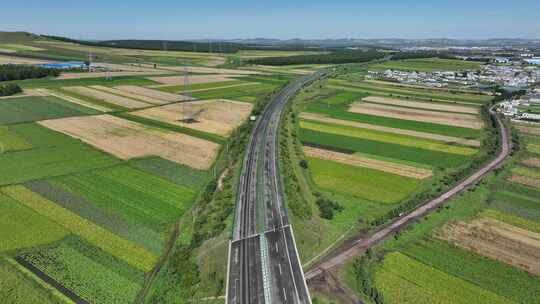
(358, 244)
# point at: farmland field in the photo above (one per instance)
(134, 255)
(171, 171)
(16, 287)
(22, 228)
(88, 271)
(362, 182)
(405, 280)
(51, 154)
(34, 108)
(427, 65)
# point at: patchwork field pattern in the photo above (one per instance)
(496, 240)
(159, 97)
(213, 116)
(422, 105)
(462, 120)
(194, 79)
(126, 139)
(359, 161)
(108, 97)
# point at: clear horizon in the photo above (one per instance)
(280, 19)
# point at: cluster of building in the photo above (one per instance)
(437, 79)
(519, 108)
(517, 76)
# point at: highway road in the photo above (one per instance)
(355, 248)
(263, 262)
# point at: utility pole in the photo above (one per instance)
(187, 111)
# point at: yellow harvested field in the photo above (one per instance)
(525, 180)
(110, 98)
(421, 105)
(143, 98)
(195, 79)
(158, 96)
(359, 161)
(105, 74)
(71, 99)
(497, 240)
(451, 119)
(126, 139)
(222, 87)
(529, 130)
(206, 70)
(531, 162)
(219, 116)
(442, 138)
(417, 86)
(20, 60)
(126, 67)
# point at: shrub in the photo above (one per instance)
(9, 89)
(19, 72)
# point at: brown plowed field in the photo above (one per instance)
(524, 180)
(462, 120)
(531, 162)
(126, 139)
(529, 130)
(422, 105)
(497, 240)
(114, 91)
(443, 138)
(359, 161)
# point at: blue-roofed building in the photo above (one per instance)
(535, 60)
(70, 65)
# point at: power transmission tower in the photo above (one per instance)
(90, 61)
(186, 106)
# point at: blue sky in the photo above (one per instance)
(199, 19)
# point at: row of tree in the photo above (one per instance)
(9, 89)
(19, 72)
(337, 57)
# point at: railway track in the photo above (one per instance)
(263, 265)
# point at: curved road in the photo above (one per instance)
(263, 263)
(355, 248)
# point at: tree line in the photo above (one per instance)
(336, 57)
(9, 89)
(19, 72)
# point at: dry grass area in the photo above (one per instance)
(525, 180)
(206, 70)
(195, 79)
(451, 119)
(422, 105)
(126, 139)
(143, 98)
(158, 96)
(497, 240)
(78, 101)
(105, 74)
(437, 137)
(20, 60)
(529, 130)
(359, 161)
(218, 116)
(531, 162)
(108, 97)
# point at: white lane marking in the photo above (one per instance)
(284, 295)
(277, 248)
(236, 255)
(279, 266)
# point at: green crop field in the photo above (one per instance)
(415, 155)
(10, 141)
(21, 228)
(236, 92)
(490, 275)
(362, 182)
(516, 204)
(16, 287)
(512, 220)
(135, 196)
(405, 280)
(341, 112)
(403, 140)
(52, 154)
(174, 172)
(134, 232)
(201, 86)
(88, 271)
(529, 172)
(428, 65)
(34, 108)
(376, 89)
(58, 83)
(132, 254)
